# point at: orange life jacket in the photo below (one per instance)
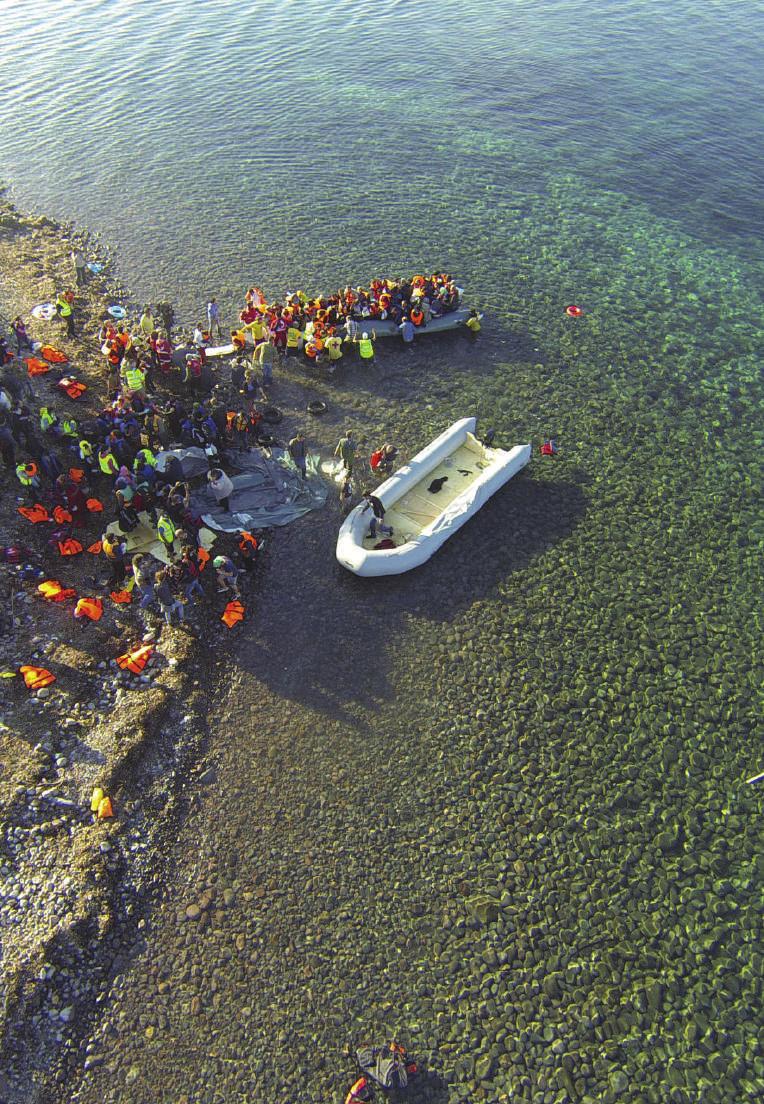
(247, 542)
(233, 614)
(76, 475)
(358, 1092)
(34, 513)
(69, 547)
(95, 548)
(54, 592)
(121, 597)
(136, 659)
(61, 516)
(55, 356)
(104, 808)
(92, 608)
(37, 677)
(94, 505)
(417, 316)
(203, 558)
(72, 387)
(37, 367)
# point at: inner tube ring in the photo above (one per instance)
(272, 415)
(574, 311)
(317, 406)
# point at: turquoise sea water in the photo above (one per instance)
(573, 686)
(216, 143)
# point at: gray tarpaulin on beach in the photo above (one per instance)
(193, 461)
(266, 492)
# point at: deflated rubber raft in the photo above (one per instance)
(427, 500)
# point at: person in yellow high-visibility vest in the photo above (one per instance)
(65, 310)
(366, 345)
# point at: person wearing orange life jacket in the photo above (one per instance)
(248, 550)
(417, 316)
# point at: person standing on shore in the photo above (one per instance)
(366, 345)
(347, 490)
(265, 355)
(213, 317)
(115, 551)
(169, 603)
(79, 265)
(7, 442)
(22, 337)
(298, 450)
(222, 488)
(147, 324)
(65, 310)
(346, 451)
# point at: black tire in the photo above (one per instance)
(272, 415)
(317, 407)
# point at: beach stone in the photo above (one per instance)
(669, 841)
(483, 908)
(619, 1082)
(551, 986)
(193, 912)
(484, 1067)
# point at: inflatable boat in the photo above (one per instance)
(426, 501)
(385, 327)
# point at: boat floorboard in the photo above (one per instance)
(418, 507)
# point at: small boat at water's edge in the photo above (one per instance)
(427, 500)
(385, 327)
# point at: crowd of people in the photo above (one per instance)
(160, 396)
(103, 469)
(320, 326)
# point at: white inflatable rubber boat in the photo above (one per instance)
(426, 501)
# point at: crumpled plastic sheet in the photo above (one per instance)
(266, 492)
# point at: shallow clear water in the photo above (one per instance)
(560, 709)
